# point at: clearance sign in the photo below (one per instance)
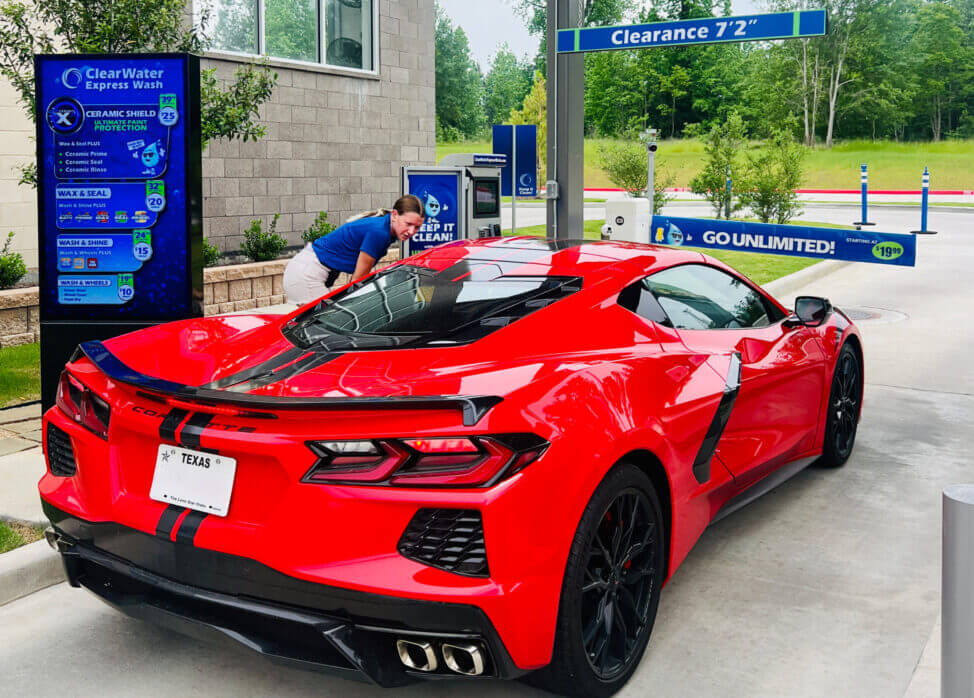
(792, 240)
(708, 30)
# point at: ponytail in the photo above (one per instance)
(404, 204)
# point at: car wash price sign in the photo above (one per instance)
(706, 30)
(791, 240)
(119, 182)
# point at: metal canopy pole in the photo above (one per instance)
(566, 120)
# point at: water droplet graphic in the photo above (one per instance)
(150, 156)
(432, 206)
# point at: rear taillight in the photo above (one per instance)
(80, 404)
(476, 461)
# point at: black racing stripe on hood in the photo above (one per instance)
(307, 363)
(265, 367)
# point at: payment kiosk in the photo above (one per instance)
(462, 198)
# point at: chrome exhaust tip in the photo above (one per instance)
(417, 654)
(465, 658)
(51, 536)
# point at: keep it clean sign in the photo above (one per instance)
(440, 194)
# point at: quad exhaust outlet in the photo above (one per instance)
(464, 658)
(461, 657)
(417, 654)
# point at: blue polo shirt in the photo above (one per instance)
(340, 248)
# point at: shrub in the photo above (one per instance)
(318, 229)
(723, 147)
(771, 177)
(12, 267)
(211, 254)
(626, 166)
(261, 246)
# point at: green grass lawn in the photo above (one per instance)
(891, 165)
(13, 535)
(760, 268)
(20, 374)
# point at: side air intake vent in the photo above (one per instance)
(60, 455)
(450, 539)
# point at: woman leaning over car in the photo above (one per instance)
(352, 248)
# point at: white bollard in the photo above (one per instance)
(957, 598)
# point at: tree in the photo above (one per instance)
(507, 83)
(724, 145)
(626, 165)
(675, 84)
(594, 13)
(126, 26)
(459, 84)
(942, 61)
(771, 177)
(535, 111)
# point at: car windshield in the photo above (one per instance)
(409, 305)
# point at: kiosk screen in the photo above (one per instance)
(486, 198)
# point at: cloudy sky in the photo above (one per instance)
(489, 23)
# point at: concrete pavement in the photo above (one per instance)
(828, 585)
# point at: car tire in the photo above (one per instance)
(845, 400)
(611, 588)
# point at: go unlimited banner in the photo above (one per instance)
(791, 240)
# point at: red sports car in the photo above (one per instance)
(485, 460)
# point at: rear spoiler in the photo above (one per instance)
(473, 407)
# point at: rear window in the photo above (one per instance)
(409, 305)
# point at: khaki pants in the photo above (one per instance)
(306, 279)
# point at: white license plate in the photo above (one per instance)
(193, 479)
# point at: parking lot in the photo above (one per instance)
(827, 586)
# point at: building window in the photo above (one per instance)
(338, 33)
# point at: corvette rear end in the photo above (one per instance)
(356, 532)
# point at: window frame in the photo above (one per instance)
(315, 66)
(769, 303)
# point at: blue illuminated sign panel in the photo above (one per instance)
(706, 30)
(119, 170)
(527, 157)
(791, 240)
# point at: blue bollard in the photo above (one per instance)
(924, 203)
(864, 179)
(727, 202)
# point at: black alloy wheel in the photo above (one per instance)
(845, 399)
(611, 588)
(618, 586)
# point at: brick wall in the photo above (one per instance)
(332, 143)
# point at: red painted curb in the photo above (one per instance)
(897, 192)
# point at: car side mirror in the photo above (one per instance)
(812, 311)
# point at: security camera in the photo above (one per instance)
(652, 147)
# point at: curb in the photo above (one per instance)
(28, 569)
(792, 282)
